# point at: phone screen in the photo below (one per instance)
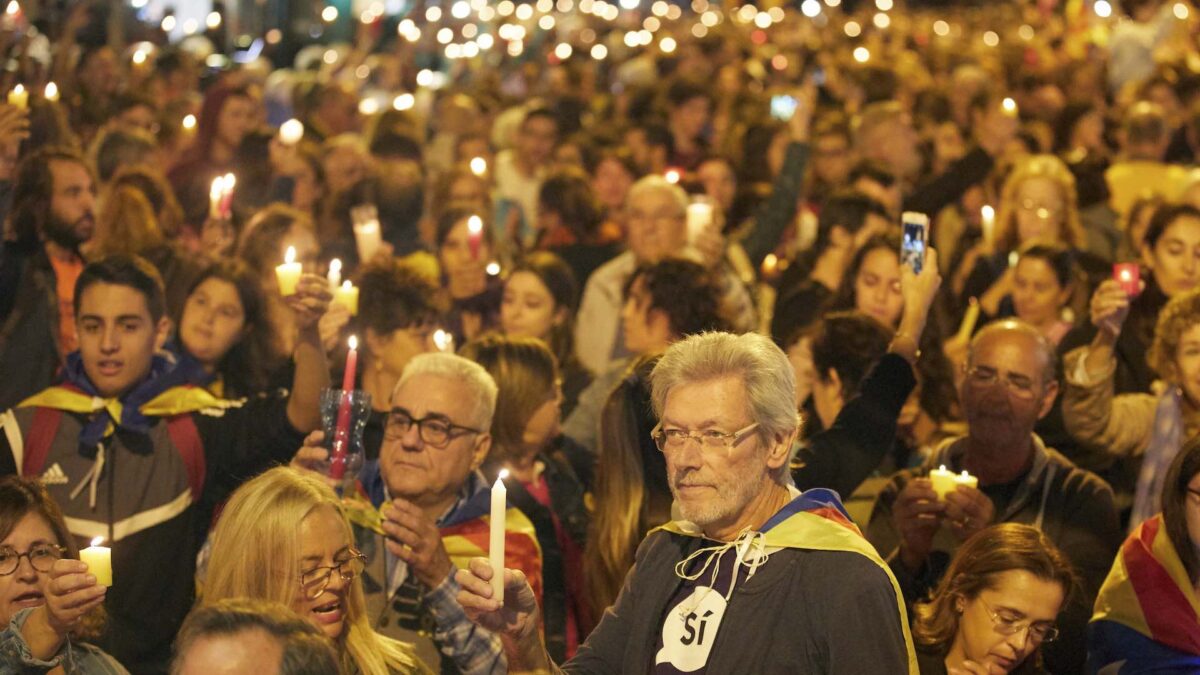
(783, 107)
(913, 239)
(818, 76)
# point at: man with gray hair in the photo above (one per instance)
(752, 576)
(423, 507)
(656, 217)
(241, 635)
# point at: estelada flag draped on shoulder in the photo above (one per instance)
(465, 534)
(817, 521)
(1147, 615)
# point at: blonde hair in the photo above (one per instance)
(256, 554)
(126, 223)
(1180, 314)
(1053, 169)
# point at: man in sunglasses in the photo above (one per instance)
(1008, 385)
(423, 512)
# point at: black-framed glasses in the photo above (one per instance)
(435, 430)
(41, 557)
(1018, 385)
(314, 582)
(671, 440)
(1006, 624)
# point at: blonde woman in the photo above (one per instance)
(284, 537)
(1037, 204)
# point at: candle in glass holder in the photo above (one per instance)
(19, 97)
(288, 274)
(496, 535)
(341, 431)
(346, 295)
(1129, 276)
(99, 561)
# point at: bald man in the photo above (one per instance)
(1008, 385)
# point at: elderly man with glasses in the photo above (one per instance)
(421, 511)
(1008, 385)
(753, 576)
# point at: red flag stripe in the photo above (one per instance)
(1168, 613)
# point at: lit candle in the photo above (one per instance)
(699, 217)
(99, 561)
(288, 274)
(335, 274)
(19, 97)
(967, 327)
(215, 192)
(987, 224)
(291, 131)
(965, 479)
(673, 175)
(770, 265)
(189, 123)
(478, 166)
(496, 540)
(368, 238)
(51, 92)
(341, 432)
(474, 235)
(227, 196)
(943, 481)
(1128, 275)
(443, 340)
(347, 296)
(1009, 106)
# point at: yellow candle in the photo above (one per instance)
(496, 535)
(347, 296)
(288, 274)
(99, 561)
(967, 327)
(943, 481)
(966, 479)
(19, 97)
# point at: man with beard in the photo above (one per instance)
(1008, 385)
(754, 576)
(53, 200)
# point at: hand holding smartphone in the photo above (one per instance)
(914, 240)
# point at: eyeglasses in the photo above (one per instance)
(1018, 385)
(1040, 210)
(1006, 624)
(671, 440)
(314, 582)
(41, 557)
(660, 217)
(434, 430)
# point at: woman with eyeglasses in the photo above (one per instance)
(284, 537)
(1138, 434)
(49, 604)
(996, 605)
(1145, 617)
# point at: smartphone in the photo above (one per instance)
(818, 76)
(1129, 276)
(783, 107)
(914, 237)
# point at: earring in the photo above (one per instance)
(958, 607)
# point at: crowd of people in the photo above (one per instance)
(640, 265)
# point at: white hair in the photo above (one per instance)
(762, 366)
(482, 387)
(656, 183)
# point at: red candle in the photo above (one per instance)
(474, 235)
(1129, 276)
(341, 432)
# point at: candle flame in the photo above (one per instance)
(770, 263)
(502, 475)
(475, 224)
(987, 212)
(478, 166)
(230, 181)
(290, 256)
(346, 285)
(335, 266)
(942, 467)
(672, 175)
(97, 541)
(965, 474)
(19, 89)
(1009, 106)
(218, 186)
(51, 91)
(1125, 275)
(353, 341)
(189, 121)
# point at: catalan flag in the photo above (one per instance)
(1146, 615)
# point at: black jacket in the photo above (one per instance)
(29, 350)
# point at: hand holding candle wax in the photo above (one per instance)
(19, 97)
(346, 295)
(945, 482)
(1129, 276)
(99, 561)
(341, 431)
(496, 535)
(288, 274)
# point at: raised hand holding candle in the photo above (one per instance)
(474, 235)
(496, 535)
(943, 481)
(99, 561)
(291, 131)
(1129, 276)
(288, 274)
(19, 97)
(346, 295)
(335, 274)
(341, 432)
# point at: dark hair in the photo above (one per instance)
(125, 270)
(1174, 505)
(1164, 217)
(1145, 123)
(130, 100)
(117, 148)
(619, 154)
(848, 343)
(258, 244)
(558, 278)
(247, 367)
(158, 192)
(568, 193)
(544, 113)
(845, 297)
(872, 171)
(681, 91)
(33, 188)
(1060, 259)
(525, 373)
(396, 145)
(683, 290)
(847, 210)
(393, 296)
(206, 122)
(305, 649)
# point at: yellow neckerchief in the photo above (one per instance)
(809, 530)
(174, 401)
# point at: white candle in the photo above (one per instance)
(943, 481)
(699, 217)
(99, 561)
(443, 341)
(369, 238)
(291, 131)
(496, 540)
(335, 274)
(987, 223)
(19, 97)
(288, 274)
(346, 295)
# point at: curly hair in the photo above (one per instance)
(685, 291)
(1181, 314)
